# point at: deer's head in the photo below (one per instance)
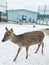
(7, 34)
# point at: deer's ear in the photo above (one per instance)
(6, 28)
(11, 30)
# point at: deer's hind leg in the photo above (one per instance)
(42, 46)
(38, 48)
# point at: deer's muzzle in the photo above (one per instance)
(3, 40)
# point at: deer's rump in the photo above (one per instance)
(31, 38)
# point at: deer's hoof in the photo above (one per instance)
(35, 51)
(26, 57)
(14, 60)
(42, 52)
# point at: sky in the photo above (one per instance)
(26, 4)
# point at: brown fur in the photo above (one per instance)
(25, 40)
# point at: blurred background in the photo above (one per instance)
(19, 11)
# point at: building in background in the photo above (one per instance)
(3, 10)
(22, 15)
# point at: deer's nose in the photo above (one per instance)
(3, 40)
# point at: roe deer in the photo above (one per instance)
(25, 40)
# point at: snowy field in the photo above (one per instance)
(8, 50)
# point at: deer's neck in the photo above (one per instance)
(13, 38)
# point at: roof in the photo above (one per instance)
(22, 10)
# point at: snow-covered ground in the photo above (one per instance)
(8, 50)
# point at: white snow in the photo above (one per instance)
(8, 50)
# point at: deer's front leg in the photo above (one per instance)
(17, 53)
(27, 52)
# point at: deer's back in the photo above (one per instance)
(30, 38)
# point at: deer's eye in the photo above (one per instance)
(6, 35)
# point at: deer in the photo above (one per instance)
(24, 40)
